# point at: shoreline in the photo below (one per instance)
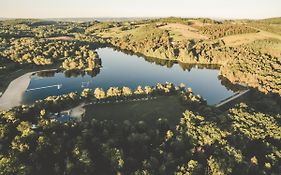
(9, 98)
(175, 61)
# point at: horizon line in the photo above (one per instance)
(142, 17)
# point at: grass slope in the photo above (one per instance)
(169, 107)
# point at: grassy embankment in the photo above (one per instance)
(169, 107)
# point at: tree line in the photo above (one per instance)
(72, 54)
(239, 141)
(221, 30)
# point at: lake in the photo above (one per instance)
(120, 69)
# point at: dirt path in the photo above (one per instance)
(231, 98)
(78, 111)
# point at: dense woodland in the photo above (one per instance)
(73, 55)
(242, 139)
(262, 70)
(221, 30)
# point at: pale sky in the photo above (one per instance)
(140, 8)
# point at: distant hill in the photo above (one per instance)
(101, 19)
(276, 20)
(272, 20)
(70, 19)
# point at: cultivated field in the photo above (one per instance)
(181, 31)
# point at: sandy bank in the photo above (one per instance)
(14, 93)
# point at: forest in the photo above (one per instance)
(242, 138)
(21, 42)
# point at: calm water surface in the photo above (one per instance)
(120, 69)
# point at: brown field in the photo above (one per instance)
(236, 40)
(181, 31)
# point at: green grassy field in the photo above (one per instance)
(169, 107)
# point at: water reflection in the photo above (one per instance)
(120, 69)
(77, 73)
(168, 63)
(48, 73)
